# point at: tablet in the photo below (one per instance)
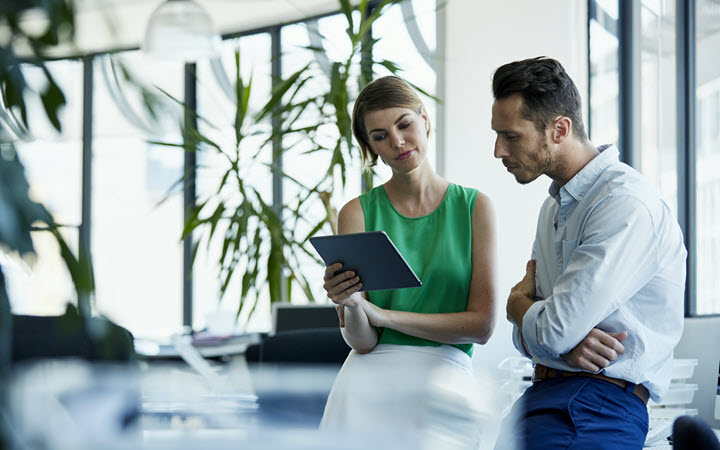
(371, 255)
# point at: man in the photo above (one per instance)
(601, 306)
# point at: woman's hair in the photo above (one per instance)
(383, 93)
(546, 89)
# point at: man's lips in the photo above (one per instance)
(405, 155)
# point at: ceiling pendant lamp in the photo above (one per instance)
(181, 30)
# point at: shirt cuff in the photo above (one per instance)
(530, 331)
(517, 341)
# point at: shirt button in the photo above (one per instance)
(580, 197)
(561, 260)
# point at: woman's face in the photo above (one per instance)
(398, 136)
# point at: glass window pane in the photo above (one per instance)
(53, 167)
(658, 156)
(310, 168)
(396, 45)
(604, 83)
(708, 156)
(218, 110)
(136, 247)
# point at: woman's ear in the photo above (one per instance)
(426, 119)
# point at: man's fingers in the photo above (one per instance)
(341, 315)
(530, 269)
(586, 364)
(610, 341)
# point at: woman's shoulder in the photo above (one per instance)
(475, 199)
(351, 218)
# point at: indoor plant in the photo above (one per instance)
(261, 244)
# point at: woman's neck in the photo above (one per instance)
(417, 193)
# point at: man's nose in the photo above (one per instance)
(500, 150)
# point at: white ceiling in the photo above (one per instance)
(103, 25)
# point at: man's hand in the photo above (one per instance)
(522, 295)
(598, 350)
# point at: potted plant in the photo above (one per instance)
(261, 245)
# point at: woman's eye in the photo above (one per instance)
(378, 137)
(405, 125)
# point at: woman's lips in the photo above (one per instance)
(405, 155)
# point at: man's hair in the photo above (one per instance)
(546, 89)
(383, 93)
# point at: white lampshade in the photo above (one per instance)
(181, 29)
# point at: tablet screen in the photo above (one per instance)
(371, 255)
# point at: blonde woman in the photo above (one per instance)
(411, 347)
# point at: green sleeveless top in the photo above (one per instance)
(437, 247)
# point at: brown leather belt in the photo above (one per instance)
(543, 373)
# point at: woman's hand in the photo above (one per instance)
(377, 316)
(342, 288)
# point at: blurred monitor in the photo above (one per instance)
(287, 316)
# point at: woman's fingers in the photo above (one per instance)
(331, 269)
(340, 282)
(340, 286)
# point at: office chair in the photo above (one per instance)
(69, 335)
(306, 346)
(693, 433)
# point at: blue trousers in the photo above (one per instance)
(575, 413)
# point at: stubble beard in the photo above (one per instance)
(541, 164)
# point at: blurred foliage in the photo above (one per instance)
(19, 214)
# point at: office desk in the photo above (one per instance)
(78, 405)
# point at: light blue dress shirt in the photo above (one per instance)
(610, 255)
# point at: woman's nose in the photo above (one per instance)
(398, 140)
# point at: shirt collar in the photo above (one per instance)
(588, 175)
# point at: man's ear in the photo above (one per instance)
(561, 129)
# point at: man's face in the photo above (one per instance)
(523, 149)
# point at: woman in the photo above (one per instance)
(404, 339)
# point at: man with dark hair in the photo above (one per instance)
(600, 308)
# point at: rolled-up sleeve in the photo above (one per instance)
(517, 341)
(615, 256)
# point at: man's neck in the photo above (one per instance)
(571, 157)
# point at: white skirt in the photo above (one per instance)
(408, 395)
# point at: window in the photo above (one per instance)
(136, 247)
(604, 83)
(53, 163)
(707, 45)
(136, 228)
(217, 107)
(686, 171)
(659, 151)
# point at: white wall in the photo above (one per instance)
(481, 36)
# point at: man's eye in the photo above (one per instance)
(510, 137)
